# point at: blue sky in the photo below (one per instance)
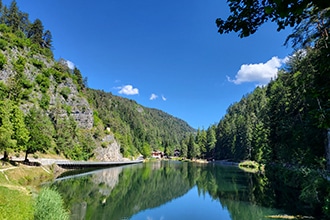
(162, 54)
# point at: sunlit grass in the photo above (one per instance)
(18, 186)
(15, 204)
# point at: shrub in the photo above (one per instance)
(47, 52)
(3, 44)
(37, 63)
(35, 49)
(4, 90)
(3, 60)
(20, 34)
(47, 72)
(68, 109)
(19, 42)
(4, 28)
(58, 76)
(104, 144)
(25, 94)
(44, 102)
(49, 205)
(19, 64)
(65, 92)
(43, 82)
(26, 83)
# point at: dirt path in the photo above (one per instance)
(3, 171)
(8, 168)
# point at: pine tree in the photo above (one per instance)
(35, 32)
(192, 148)
(211, 141)
(12, 18)
(47, 39)
(184, 148)
(80, 81)
(201, 142)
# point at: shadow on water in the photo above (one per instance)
(122, 192)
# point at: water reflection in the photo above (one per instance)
(172, 189)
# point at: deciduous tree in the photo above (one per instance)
(41, 132)
(7, 142)
(248, 15)
(21, 133)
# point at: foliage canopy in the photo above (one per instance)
(246, 16)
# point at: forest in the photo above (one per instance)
(287, 120)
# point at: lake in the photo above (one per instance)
(164, 190)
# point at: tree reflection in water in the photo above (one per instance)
(122, 192)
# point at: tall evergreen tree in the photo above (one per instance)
(47, 39)
(80, 81)
(184, 148)
(211, 141)
(35, 32)
(192, 148)
(201, 142)
(12, 17)
(24, 22)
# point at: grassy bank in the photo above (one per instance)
(19, 185)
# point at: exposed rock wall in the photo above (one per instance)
(110, 151)
(80, 109)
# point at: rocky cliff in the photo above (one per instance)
(40, 82)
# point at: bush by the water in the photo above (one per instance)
(49, 205)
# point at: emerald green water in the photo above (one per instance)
(169, 190)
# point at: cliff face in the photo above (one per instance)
(109, 150)
(77, 106)
(34, 65)
(42, 83)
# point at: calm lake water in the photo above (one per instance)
(169, 190)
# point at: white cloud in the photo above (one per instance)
(164, 98)
(153, 96)
(70, 64)
(261, 73)
(128, 90)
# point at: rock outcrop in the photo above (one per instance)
(77, 106)
(109, 150)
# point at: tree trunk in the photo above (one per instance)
(26, 157)
(5, 156)
(327, 150)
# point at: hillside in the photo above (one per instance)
(46, 107)
(138, 129)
